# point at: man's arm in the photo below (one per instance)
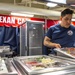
(48, 43)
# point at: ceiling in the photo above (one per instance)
(36, 7)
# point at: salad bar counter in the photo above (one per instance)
(43, 65)
(37, 65)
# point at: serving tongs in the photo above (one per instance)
(63, 52)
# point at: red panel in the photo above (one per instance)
(16, 21)
(51, 22)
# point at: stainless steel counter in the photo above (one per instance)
(57, 66)
(6, 68)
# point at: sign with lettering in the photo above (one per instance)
(6, 20)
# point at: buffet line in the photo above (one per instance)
(37, 65)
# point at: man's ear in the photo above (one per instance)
(60, 18)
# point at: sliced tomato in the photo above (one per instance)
(32, 62)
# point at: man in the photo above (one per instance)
(63, 34)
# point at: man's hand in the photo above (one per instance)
(48, 43)
(57, 45)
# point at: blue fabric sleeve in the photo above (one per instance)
(49, 33)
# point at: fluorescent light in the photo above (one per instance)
(73, 19)
(59, 1)
(22, 14)
(73, 5)
(51, 4)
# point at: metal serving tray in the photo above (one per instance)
(66, 52)
(50, 64)
(63, 58)
(6, 68)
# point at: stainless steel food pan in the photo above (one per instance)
(66, 52)
(60, 64)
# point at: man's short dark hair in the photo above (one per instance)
(66, 11)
